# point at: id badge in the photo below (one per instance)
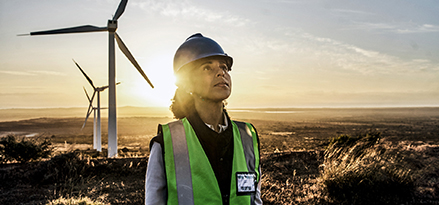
(245, 183)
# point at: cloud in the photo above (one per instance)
(311, 49)
(186, 9)
(21, 73)
(370, 26)
(346, 11)
(365, 61)
(285, 1)
(397, 27)
(425, 28)
(32, 73)
(46, 72)
(15, 94)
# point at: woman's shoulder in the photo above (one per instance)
(158, 138)
(242, 123)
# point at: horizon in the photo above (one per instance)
(243, 108)
(277, 114)
(299, 54)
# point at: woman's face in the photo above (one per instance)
(210, 79)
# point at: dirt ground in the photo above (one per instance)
(291, 150)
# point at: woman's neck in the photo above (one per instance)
(210, 112)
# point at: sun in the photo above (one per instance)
(159, 70)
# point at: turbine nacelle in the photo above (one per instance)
(112, 26)
(100, 89)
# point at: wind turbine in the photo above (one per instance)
(96, 120)
(96, 128)
(111, 28)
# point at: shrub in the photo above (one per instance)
(24, 150)
(346, 140)
(72, 201)
(360, 170)
(64, 168)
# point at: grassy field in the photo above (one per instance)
(300, 165)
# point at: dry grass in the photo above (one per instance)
(74, 200)
(293, 177)
(367, 170)
(74, 175)
(360, 170)
(295, 167)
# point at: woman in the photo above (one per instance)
(204, 157)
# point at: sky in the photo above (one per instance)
(287, 53)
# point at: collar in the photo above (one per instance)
(222, 127)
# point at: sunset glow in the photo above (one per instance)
(286, 53)
(159, 70)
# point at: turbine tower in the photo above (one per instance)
(96, 129)
(111, 28)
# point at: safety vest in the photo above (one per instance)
(190, 178)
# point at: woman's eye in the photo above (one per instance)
(207, 68)
(225, 68)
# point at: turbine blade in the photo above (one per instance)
(92, 97)
(85, 121)
(77, 29)
(120, 9)
(88, 97)
(105, 87)
(83, 125)
(86, 117)
(86, 76)
(90, 108)
(130, 57)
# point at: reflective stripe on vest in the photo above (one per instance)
(187, 164)
(182, 165)
(249, 142)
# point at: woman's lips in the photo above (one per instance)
(222, 84)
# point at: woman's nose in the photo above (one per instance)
(220, 71)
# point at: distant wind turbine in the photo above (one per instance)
(97, 144)
(96, 120)
(111, 28)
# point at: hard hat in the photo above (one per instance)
(197, 47)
